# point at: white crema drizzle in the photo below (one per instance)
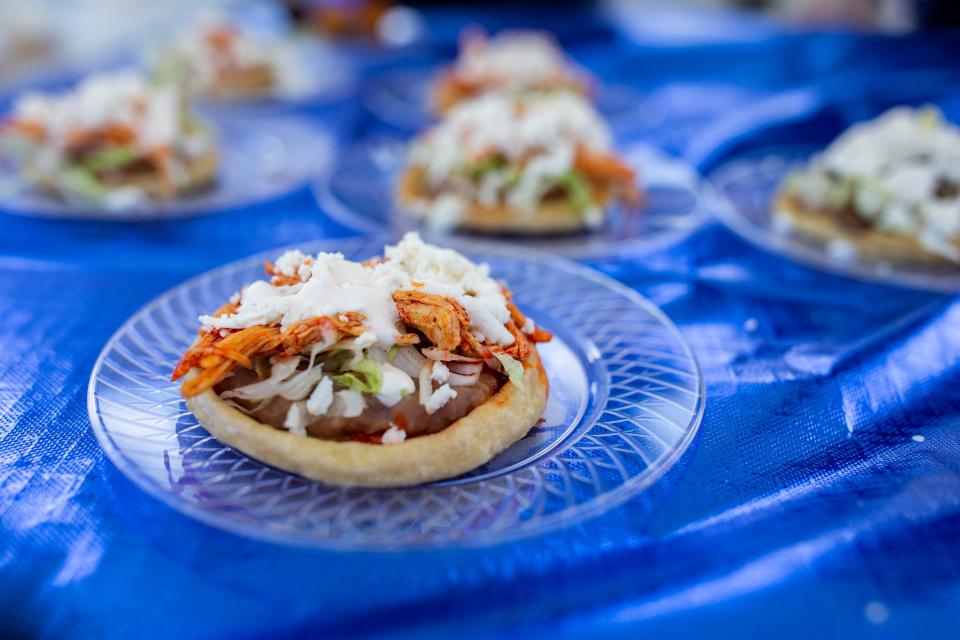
(334, 285)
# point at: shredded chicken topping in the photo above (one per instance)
(332, 376)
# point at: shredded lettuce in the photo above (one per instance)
(392, 353)
(486, 166)
(83, 182)
(513, 368)
(109, 159)
(364, 376)
(577, 190)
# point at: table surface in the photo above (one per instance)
(822, 494)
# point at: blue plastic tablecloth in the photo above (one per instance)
(822, 495)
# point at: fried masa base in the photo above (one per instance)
(554, 215)
(258, 81)
(869, 242)
(463, 446)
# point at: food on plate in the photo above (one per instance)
(511, 62)
(115, 139)
(888, 188)
(518, 164)
(399, 370)
(27, 37)
(218, 59)
(368, 20)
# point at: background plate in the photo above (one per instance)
(626, 399)
(745, 186)
(359, 191)
(260, 158)
(747, 157)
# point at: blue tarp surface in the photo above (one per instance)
(821, 498)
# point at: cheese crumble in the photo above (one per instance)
(153, 113)
(537, 136)
(513, 60)
(334, 285)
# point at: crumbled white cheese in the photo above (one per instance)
(347, 403)
(549, 125)
(439, 398)
(440, 373)
(336, 285)
(529, 326)
(395, 385)
(539, 174)
(289, 263)
(891, 171)
(538, 135)
(296, 420)
(321, 397)
(153, 113)
(393, 435)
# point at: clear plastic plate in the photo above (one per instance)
(360, 188)
(260, 158)
(626, 398)
(743, 189)
(401, 97)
